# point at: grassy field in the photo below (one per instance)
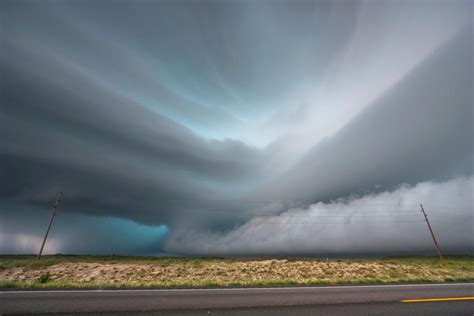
(159, 272)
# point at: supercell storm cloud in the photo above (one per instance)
(236, 127)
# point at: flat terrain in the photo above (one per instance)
(327, 300)
(156, 272)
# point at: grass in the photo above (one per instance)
(45, 261)
(170, 272)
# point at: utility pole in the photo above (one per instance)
(53, 213)
(432, 235)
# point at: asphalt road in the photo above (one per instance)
(334, 300)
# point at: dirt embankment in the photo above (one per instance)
(228, 272)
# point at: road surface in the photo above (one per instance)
(331, 300)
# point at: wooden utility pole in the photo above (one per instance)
(53, 213)
(432, 235)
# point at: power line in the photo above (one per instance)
(333, 213)
(350, 215)
(448, 214)
(288, 220)
(456, 222)
(296, 201)
(402, 218)
(335, 223)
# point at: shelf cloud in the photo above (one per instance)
(193, 126)
(372, 224)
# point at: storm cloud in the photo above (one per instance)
(189, 126)
(374, 224)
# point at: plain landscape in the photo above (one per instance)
(169, 272)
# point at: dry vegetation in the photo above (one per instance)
(91, 271)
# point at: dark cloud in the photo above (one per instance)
(106, 153)
(204, 116)
(75, 233)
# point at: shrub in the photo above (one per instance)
(44, 277)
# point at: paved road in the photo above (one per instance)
(334, 300)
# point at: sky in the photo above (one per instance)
(237, 128)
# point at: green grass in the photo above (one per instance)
(30, 260)
(45, 261)
(455, 269)
(214, 284)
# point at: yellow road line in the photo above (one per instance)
(439, 299)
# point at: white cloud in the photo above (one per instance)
(388, 222)
(21, 243)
